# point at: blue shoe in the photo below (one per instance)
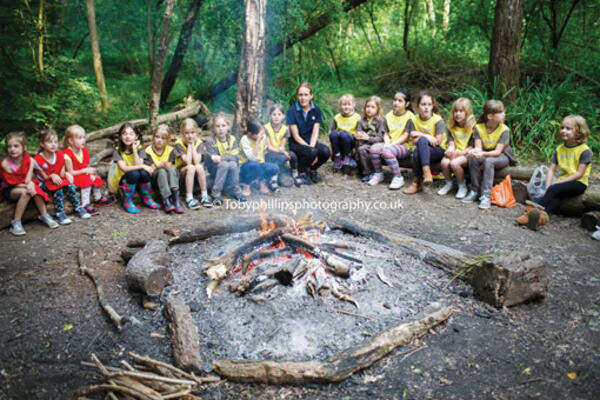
(62, 218)
(366, 178)
(352, 163)
(337, 162)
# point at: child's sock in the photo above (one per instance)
(204, 193)
(295, 174)
(97, 193)
(462, 184)
(85, 196)
(188, 196)
(274, 178)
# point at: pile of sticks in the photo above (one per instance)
(148, 380)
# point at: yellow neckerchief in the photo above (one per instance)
(227, 148)
(157, 159)
(261, 151)
(461, 136)
(347, 124)
(568, 161)
(397, 124)
(275, 137)
(489, 141)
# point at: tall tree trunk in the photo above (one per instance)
(314, 26)
(505, 49)
(159, 63)
(372, 19)
(431, 14)
(446, 15)
(251, 74)
(91, 14)
(409, 12)
(40, 28)
(334, 60)
(150, 36)
(362, 28)
(180, 50)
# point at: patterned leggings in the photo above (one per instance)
(58, 197)
(391, 153)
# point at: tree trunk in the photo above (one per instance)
(150, 36)
(372, 19)
(431, 14)
(91, 14)
(409, 12)
(251, 73)
(334, 61)
(180, 50)
(505, 49)
(446, 16)
(155, 83)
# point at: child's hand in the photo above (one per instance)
(148, 169)
(136, 143)
(31, 189)
(69, 177)
(55, 179)
(216, 159)
(90, 171)
(287, 155)
(167, 165)
(449, 154)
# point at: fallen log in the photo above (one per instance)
(579, 205)
(590, 220)
(500, 280)
(520, 173)
(146, 271)
(188, 111)
(101, 155)
(337, 367)
(116, 319)
(184, 335)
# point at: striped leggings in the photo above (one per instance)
(391, 153)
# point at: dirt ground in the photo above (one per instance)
(50, 319)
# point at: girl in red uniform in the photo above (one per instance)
(50, 170)
(77, 161)
(17, 170)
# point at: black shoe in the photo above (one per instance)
(306, 180)
(298, 181)
(239, 197)
(314, 176)
(217, 202)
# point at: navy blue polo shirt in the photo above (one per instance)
(304, 121)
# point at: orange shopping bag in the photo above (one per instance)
(502, 194)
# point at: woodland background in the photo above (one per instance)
(364, 47)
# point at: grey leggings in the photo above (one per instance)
(165, 180)
(490, 164)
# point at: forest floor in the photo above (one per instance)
(50, 320)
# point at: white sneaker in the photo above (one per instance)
(446, 188)
(16, 228)
(376, 178)
(462, 191)
(596, 235)
(484, 202)
(471, 197)
(48, 220)
(397, 182)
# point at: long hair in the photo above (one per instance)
(582, 132)
(377, 101)
(120, 143)
(490, 107)
(462, 104)
(72, 131)
(427, 93)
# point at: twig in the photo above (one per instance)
(114, 372)
(114, 316)
(353, 314)
(112, 388)
(410, 353)
(155, 363)
(531, 381)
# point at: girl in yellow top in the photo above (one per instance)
(277, 137)
(574, 158)
(491, 150)
(460, 143)
(427, 139)
(341, 134)
(161, 158)
(253, 168)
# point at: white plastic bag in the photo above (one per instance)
(537, 183)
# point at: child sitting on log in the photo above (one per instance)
(222, 158)
(574, 158)
(17, 171)
(341, 134)
(252, 159)
(368, 134)
(277, 135)
(77, 164)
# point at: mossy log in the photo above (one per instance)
(500, 280)
(337, 367)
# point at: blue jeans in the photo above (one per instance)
(341, 142)
(252, 171)
(424, 154)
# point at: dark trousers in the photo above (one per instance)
(251, 171)
(307, 154)
(424, 154)
(280, 159)
(558, 191)
(137, 176)
(341, 142)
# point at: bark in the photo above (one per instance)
(337, 367)
(91, 14)
(251, 73)
(505, 49)
(409, 12)
(184, 335)
(314, 26)
(431, 16)
(146, 271)
(446, 15)
(155, 83)
(180, 50)
(501, 281)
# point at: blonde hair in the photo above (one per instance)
(72, 132)
(276, 106)
(490, 107)
(462, 104)
(216, 117)
(377, 101)
(162, 128)
(305, 85)
(347, 98)
(582, 132)
(19, 137)
(187, 123)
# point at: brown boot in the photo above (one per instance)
(524, 219)
(534, 205)
(427, 177)
(415, 187)
(537, 218)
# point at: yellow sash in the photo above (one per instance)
(179, 162)
(489, 141)
(261, 150)
(568, 161)
(275, 137)
(461, 137)
(226, 148)
(397, 124)
(347, 124)
(156, 159)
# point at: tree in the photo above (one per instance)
(446, 15)
(91, 14)
(556, 31)
(410, 6)
(505, 49)
(251, 73)
(431, 15)
(155, 83)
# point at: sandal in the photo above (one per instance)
(273, 186)
(298, 181)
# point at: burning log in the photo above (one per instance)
(184, 335)
(146, 271)
(501, 281)
(337, 367)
